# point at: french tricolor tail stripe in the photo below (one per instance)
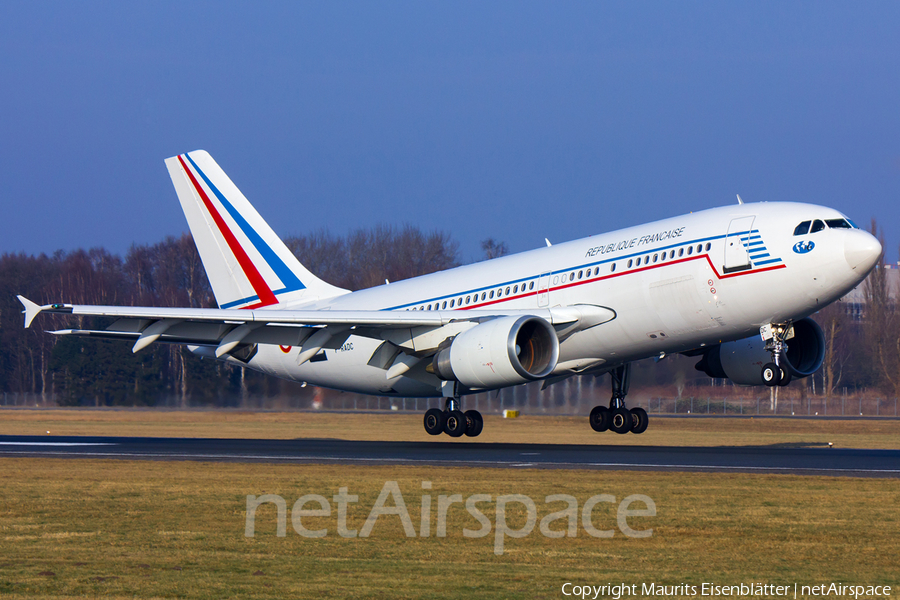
(264, 293)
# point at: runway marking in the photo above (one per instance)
(57, 444)
(456, 463)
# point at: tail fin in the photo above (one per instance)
(247, 263)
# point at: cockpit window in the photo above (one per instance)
(802, 228)
(817, 226)
(838, 224)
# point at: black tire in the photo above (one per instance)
(434, 421)
(456, 423)
(771, 374)
(621, 420)
(600, 418)
(641, 420)
(785, 378)
(474, 423)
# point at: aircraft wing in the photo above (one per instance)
(226, 329)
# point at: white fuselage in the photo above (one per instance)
(674, 285)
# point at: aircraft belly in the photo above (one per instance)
(344, 368)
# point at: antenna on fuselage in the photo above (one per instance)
(548, 242)
(739, 199)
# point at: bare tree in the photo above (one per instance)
(880, 325)
(493, 248)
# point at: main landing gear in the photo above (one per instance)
(775, 336)
(453, 421)
(618, 418)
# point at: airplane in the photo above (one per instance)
(733, 285)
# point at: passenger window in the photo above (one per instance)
(596, 271)
(672, 254)
(580, 273)
(817, 226)
(708, 246)
(492, 294)
(531, 286)
(572, 276)
(655, 257)
(483, 295)
(802, 228)
(612, 268)
(690, 250)
(629, 263)
(681, 252)
(451, 303)
(468, 298)
(507, 291)
(837, 224)
(637, 261)
(699, 248)
(444, 305)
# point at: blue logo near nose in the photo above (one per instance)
(804, 247)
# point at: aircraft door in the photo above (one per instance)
(543, 294)
(737, 257)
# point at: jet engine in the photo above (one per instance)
(501, 352)
(741, 361)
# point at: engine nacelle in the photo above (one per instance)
(742, 361)
(501, 352)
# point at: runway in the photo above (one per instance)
(730, 459)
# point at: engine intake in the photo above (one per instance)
(741, 361)
(501, 352)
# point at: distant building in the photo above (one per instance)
(854, 303)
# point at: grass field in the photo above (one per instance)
(76, 528)
(689, 431)
(156, 529)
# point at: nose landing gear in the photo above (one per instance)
(617, 417)
(775, 335)
(453, 421)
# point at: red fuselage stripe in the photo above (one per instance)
(621, 274)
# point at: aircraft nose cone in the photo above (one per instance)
(861, 250)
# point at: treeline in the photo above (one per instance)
(861, 353)
(75, 370)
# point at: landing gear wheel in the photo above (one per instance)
(785, 377)
(600, 418)
(621, 421)
(640, 420)
(474, 423)
(771, 374)
(434, 421)
(456, 423)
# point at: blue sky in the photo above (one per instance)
(514, 120)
